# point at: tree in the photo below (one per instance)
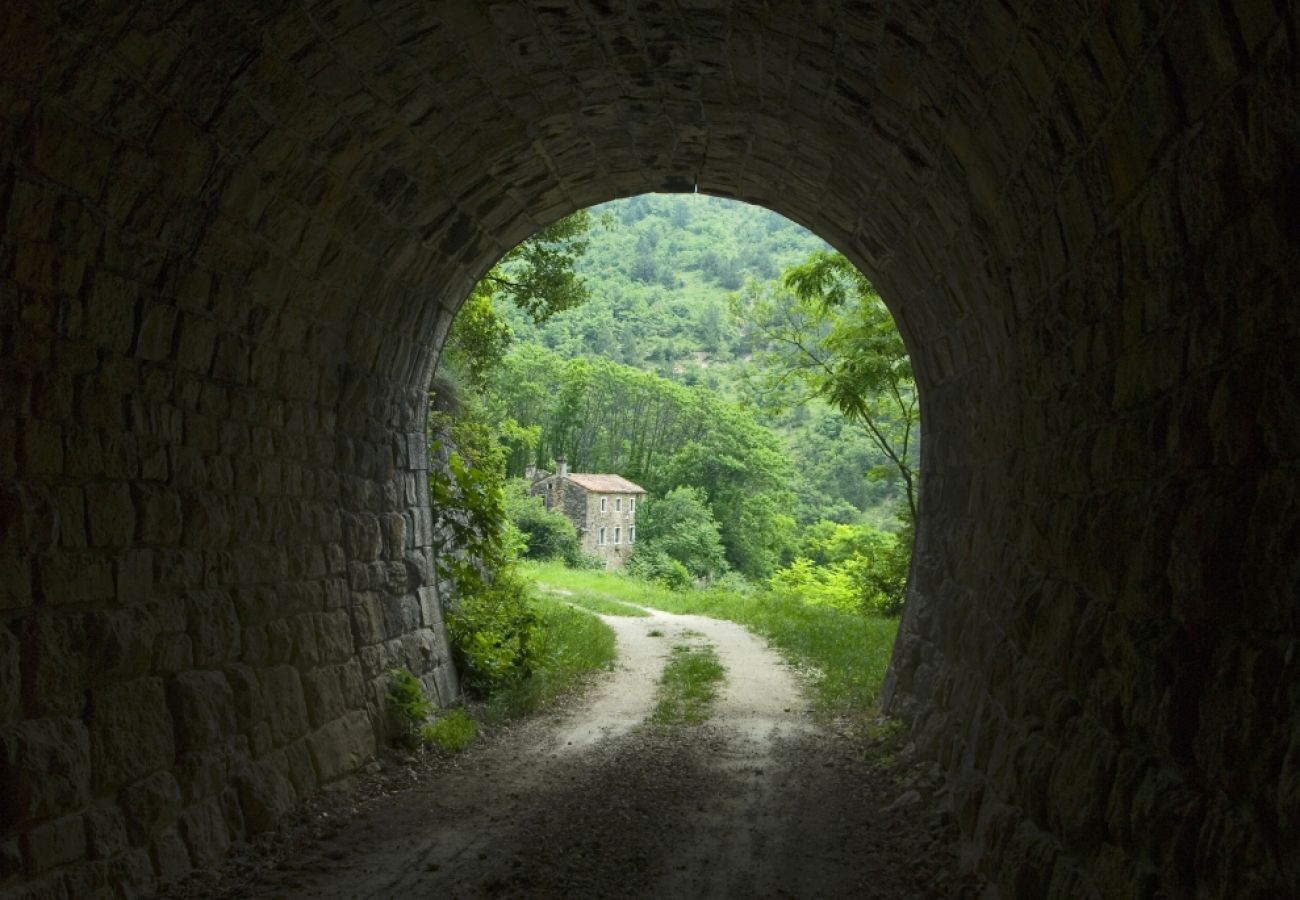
(681, 526)
(548, 533)
(538, 277)
(829, 335)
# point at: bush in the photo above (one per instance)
(408, 707)
(655, 565)
(491, 631)
(549, 533)
(451, 733)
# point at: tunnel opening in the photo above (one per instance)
(710, 482)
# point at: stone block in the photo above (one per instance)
(133, 576)
(201, 774)
(54, 666)
(121, 641)
(11, 858)
(131, 731)
(71, 506)
(334, 636)
(285, 705)
(160, 517)
(110, 514)
(157, 332)
(214, 627)
(265, 795)
(44, 769)
(324, 695)
(172, 653)
(150, 805)
(105, 830)
(15, 582)
(203, 827)
(171, 858)
(302, 774)
(11, 681)
(362, 537)
(203, 707)
(55, 843)
(247, 691)
(74, 577)
(342, 746)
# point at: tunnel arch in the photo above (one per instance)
(234, 239)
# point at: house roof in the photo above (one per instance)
(605, 484)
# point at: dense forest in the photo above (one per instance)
(667, 277)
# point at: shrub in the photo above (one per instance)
(655, 565)
(408, 707)
(549, 533)
(451, 733)
(491, 631)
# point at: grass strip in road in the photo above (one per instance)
(688, 685)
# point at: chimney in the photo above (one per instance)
(561, 467)
(530, 472)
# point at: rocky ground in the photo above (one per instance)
(590, 801)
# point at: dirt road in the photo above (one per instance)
(591, 802)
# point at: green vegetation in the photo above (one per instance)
(452, 732)
(408, 706)
(567, 645)
(843, 654)
(688, 685)
(604, 604)
(775, 429)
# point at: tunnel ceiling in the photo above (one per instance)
(234, 236)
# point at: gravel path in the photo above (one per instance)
(587, 802)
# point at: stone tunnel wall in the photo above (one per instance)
(233, 239)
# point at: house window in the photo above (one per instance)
(617, 540)
(631, 507)
(618, 504)
(602, 537)
(604, 503)
(631, 534)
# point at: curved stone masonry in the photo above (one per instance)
(234, 236)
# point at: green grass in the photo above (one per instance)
(844, 654)
(568, 644)
(598, 603)
(688, 685)
(451, 733)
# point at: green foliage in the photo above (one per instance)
(849, 568)
(607, 417)
(567, 645)
(538, 277)
(452, 732)
(656, 565)
(829, 335)
(688, 685)
(408, 706)
(548, 533)
(680, 525)
(492, 631)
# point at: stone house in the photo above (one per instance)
(601, 507)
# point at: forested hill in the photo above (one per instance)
(660, 268)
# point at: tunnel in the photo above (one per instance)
(234, 236)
